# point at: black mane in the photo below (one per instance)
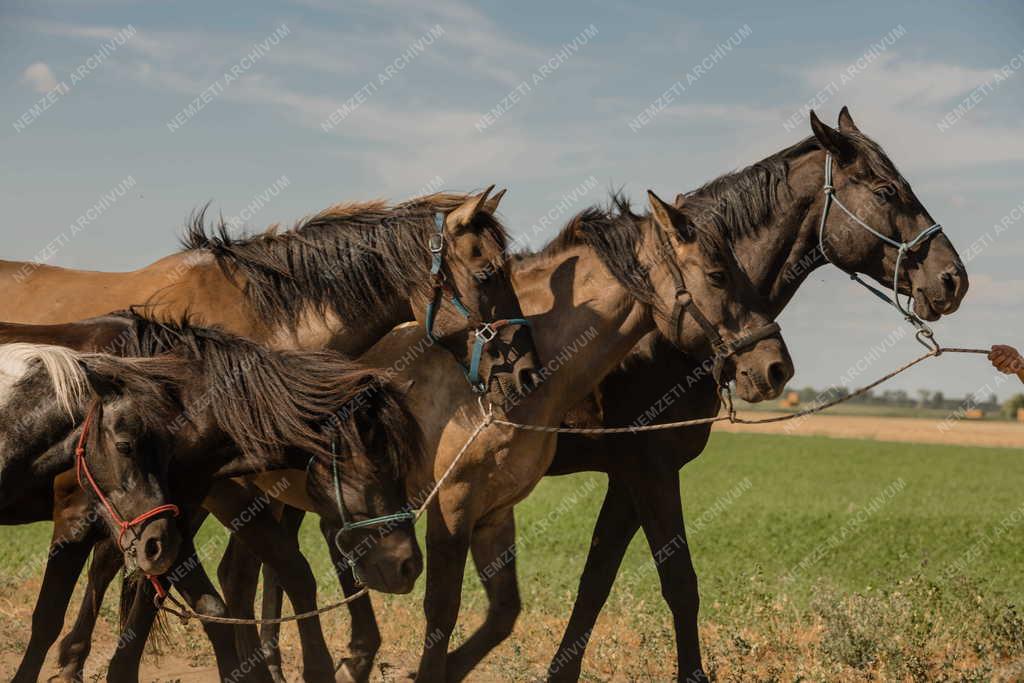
(741, 201)
(353, 260)
(269, 400)
(614, 233)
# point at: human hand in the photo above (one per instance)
(1006, 359)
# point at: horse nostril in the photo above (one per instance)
(528, 379)
(410, 569)
(151, 549)
(949, 281)
(777, 374)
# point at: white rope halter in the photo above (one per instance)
(901, 247)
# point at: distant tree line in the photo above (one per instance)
(922, 398)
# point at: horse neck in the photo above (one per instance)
(198, 286)
(203, 447)
(782, 252)
(584, 323)
(328, 331)
(105, 334)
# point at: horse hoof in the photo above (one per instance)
(349, 671)
(65, 676)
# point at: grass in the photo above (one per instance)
(920, 581)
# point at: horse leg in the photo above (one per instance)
(364, 639)
(65, 563)
(75, 647)
(616, 525)
(446, 568)
(192, 582)
(655, 493)
(263, 534)
(494, 554)
(239, 575)
(273, 597)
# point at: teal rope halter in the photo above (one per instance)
(347, 524)
(485, 333)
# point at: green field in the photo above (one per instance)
(922, 584)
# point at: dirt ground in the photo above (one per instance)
(915, 430)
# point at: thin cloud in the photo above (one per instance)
(40, 77)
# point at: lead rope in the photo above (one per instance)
(186, 614)
(730, 410)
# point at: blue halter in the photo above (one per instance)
(347, 524)
(485, 333)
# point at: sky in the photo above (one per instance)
(118, 118)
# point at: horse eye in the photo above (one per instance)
(718, 278)
(884, 191)
(124, 447)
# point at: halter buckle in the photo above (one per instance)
(436, 243)
(486, 333)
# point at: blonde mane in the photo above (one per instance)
(67, 376)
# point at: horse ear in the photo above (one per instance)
(680, 200)
(491, 205)
(832, 140)
(101, 384)
(467, 211)
(669, 217)
(846, 124)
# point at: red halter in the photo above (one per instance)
(82, 467)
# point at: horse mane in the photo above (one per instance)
(740, 202)
(73, 376)
(67, 377)
(353, 259)
(154, 384)
(614, 233)
(269, 401)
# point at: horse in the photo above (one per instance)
(612, 276)
(43, 389)
(338, 279)
(776, 214)
(251, 409)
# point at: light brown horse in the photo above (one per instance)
(608, 280)
(339, 279)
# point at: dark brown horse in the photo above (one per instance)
(247, 409)
(773, 212)
(45, 390)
